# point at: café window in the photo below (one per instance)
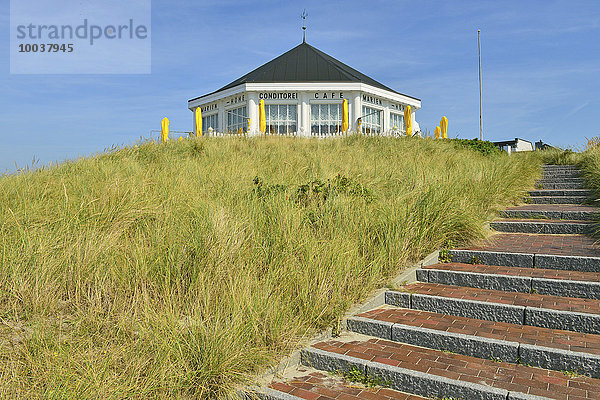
(210, 121)
(397, 121)
(281, 119)
(325, 119)
(371, 121)
(236, 119)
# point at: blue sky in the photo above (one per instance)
(541, 69)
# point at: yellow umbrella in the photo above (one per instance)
(164, 131)
(345, 116)
(198, 122)
(262, 121)
(408, 121)
(437, 132)
(444, 125)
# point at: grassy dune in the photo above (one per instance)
(169, 271)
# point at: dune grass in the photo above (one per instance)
(183, 270)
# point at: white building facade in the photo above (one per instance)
(517, 145)
(303, 91)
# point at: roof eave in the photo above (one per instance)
(300, 86)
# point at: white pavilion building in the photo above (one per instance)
(303, 90)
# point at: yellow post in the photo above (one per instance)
(437, 132)
(249, 122)
(408, 121)
(164, 130)
(262, 120)
(180, 139)
(345, 116)
(358, 125)
(198, 122)
(444, 126)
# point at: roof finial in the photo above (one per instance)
(304, 15)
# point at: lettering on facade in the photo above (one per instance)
(235, 100)
(329, 95)
(396, 106)
(371, 99)
(209, 107)
(278, 96)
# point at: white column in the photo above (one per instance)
(222, 117)
(253, 113)
(387, 126)
(357, 107)
(415, 124)
(304, 117)
(194, 121)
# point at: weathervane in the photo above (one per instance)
(304, 15)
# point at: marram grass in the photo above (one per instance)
(163, 271)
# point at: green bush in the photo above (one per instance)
(483, 146)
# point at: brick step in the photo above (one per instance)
(560, 192)
(552, 211)
(565, 252)
(560, 185)
(543, 226)
(315, 385)
(433, 373)
(557, 199)
(540, 347)
(511, 279)
(555, 312)
(525, 260)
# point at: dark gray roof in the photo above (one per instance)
(510, 142)
(304, 63)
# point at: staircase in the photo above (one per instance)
(517, 317)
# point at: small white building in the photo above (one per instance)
(511, 146)
(303, 90)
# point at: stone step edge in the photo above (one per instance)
(526, 260)
(497, 312)
(549, 186)
(556, 191)
(560, 180)
(561, 197)
(406, 380)
(543, 227)
(548, 214)
(562, 175)
(545, 221)
(512, 283)
(557, 199)
(479, 347)
(265, 393)
(559, 192)
(560, 167)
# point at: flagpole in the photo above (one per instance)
(480, 92)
